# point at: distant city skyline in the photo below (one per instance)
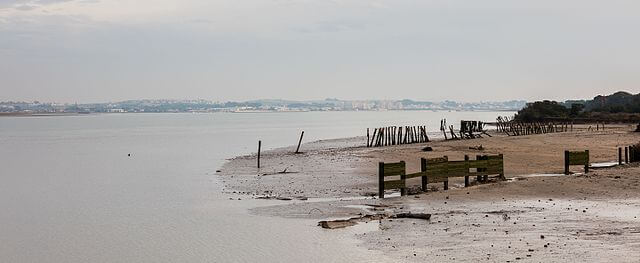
(90, 51)
(140, 106)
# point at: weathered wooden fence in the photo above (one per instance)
(576, 158)
(631, 154)
(395, 135)
(436, 170)
(513, 128)
(447, 129)
(472, 129)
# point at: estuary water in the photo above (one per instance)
(143, 188)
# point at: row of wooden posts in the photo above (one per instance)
(514, 128)
(394, 135)
(472, 129)
(528, 128)
(297, 149)
(436, 170)
(631, 154)
(447, 129)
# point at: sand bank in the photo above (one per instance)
(592, 217)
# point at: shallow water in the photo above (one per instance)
(70, 191)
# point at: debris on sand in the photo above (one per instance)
(427, 149)
(477, 148)
(342, 223)
(414, 215)
(335, 224)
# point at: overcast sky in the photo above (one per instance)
(466, 50)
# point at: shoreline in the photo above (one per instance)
(335, 179)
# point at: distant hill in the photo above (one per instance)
(615, 103)
(620, 106)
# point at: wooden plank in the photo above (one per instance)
(437, 160)
(479, 164)
(394, 169)
(394, 184)
(578, 158)
(457, 169)
(435, 169)
(414, 175)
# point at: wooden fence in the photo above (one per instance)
(513, 128)
(436, 170)
(395, 135)
(576, 158)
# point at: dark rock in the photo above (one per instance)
(427, 149)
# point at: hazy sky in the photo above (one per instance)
(468, 50)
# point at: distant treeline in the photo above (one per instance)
(618, 107)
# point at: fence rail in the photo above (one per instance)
(439, 170)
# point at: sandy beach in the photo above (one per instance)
(536, 215)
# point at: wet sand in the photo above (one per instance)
(592, 217)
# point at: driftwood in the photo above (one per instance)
(342, 223)
(414, 216)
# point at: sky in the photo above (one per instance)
(434, 50)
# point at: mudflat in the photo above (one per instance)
(536, 215)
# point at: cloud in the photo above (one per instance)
(27, 5)
(330, 27)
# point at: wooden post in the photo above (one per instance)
(479, 177)
(423, 168)
(486, 177)
(566, 162)
(300, 142)
(466, 178)
(259, 147)
(403, 177)
(367, 137)
(446, 181)
(626, 155)
(586, 165)
(381, 180)
(619, 155)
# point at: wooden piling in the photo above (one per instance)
(619, 155)
(302, 135)
(367, 137)
(466, 178)
(446, 181)
(566, 162)
(381, 180)
(423, 168)
(259, 148)
(626, 155)
(586, 165)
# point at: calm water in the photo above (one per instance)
(71, 193)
